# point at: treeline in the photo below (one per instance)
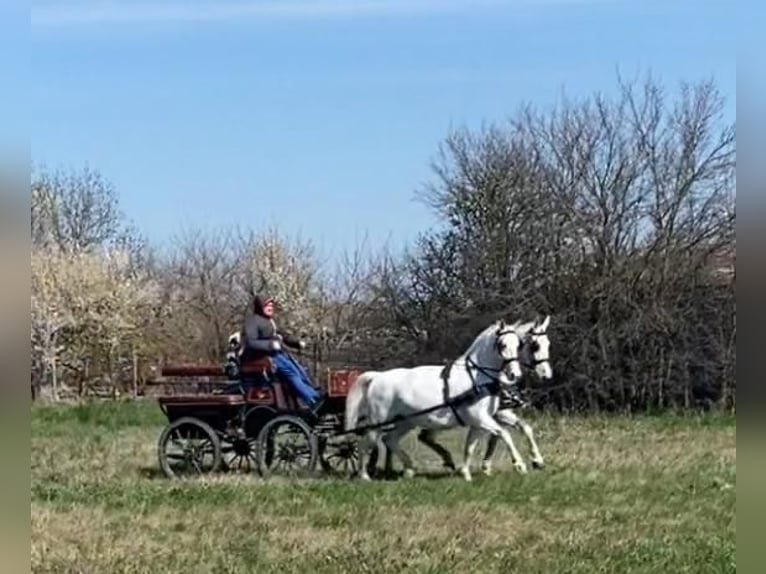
(616, 215)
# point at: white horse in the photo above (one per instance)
(420, 397)
(536, 346)
(535, 350)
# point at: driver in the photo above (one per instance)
(260, 337)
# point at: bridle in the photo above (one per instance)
(513, 396)
(529, 338)
(509, 393)
(493, 372)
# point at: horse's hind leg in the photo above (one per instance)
(388, 469)
(367, 442)
(471, 440)
(372, 462)
(486, 463)
(391, 440)
(426, 436)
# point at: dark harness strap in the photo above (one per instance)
(476, 392)
(447, 399)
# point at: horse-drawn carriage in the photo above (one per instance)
(253, 423)
(257, 423)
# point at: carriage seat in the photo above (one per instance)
(257, 366)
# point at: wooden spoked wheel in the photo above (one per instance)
(189, 447)
(339, 456)
(287, 446)
(240, 454)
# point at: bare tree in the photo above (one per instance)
(199, 279)
(607, 213)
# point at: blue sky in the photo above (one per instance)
(323, 116)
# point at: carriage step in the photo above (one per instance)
(201, 400)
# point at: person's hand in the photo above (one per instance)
(276, 346)
(302, 344)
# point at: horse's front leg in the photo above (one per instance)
(486, 463)
(537, 458)
(489, 424)
(507, 418)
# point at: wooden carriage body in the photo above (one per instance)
(241, 414)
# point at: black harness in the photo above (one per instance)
(512, 397)
(494, 387)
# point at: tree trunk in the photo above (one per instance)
(135, 374)
(110, 372)
(54, 379)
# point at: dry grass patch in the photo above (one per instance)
(619, 495)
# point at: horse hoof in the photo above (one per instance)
(538, 464)
(521, 468)
(409, 473)
(466, 475)
(487, 470)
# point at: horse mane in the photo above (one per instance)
(481, 336)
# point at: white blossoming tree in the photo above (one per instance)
(287, 270)
(86, 304)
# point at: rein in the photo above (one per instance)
(490, 372)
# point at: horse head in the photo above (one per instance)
(538, 346)
(507, 342)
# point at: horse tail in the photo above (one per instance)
(356, 401)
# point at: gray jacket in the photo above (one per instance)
(260, 334)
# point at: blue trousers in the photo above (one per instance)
(292, 372)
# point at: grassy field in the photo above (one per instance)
(617, 495)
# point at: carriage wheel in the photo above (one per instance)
(240, 454)
(286, 445)
(340, 456)
(189, 447)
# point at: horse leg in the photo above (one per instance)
(368, 442)
(489, 424)
(426, 436)
(507, 418)
(372, 466)
(391, 440)
(388, 471)
(471, 440)
(537, 458)
(486, 463)
(372, 461)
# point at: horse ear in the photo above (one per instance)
(545, 322)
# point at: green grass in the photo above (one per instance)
(647, 494)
